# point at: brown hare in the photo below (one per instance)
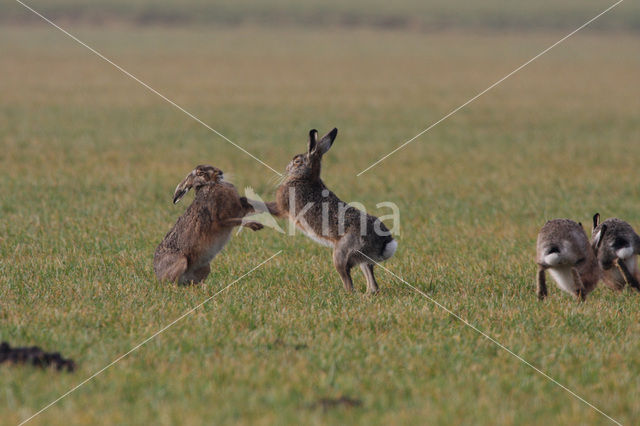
(563, 249)
(618, 248)
(204, 228)
(356, 237)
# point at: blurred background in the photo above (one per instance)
(89, 160)
(429, 15)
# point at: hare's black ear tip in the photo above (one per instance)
(312, 132)
(178, 196)
(334, 132)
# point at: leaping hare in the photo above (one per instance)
(564, 250)
(618, 248)
(204, 228)
(356, 237)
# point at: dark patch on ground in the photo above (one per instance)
(279, 343)
(343, 401)
(35, 356)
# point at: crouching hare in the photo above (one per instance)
(356, 237)
(563, 249)
(204, 228)
(618, 248)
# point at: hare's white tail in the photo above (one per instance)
(552, 259)
(624, 252)
(389, 249)
(553, 256)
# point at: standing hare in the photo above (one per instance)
(618, 248)
(356, 237)
(204, 228)
(564, 250)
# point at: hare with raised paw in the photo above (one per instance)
(357, 238)
(204, 228)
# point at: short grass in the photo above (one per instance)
(89, 161)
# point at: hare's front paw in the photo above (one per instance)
(254, 226)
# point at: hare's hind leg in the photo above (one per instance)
(541, 283)
(581, 293)
(626, 274)
(201, 273)
(343, 266)
(372, 285)
(344, 269)
(171, 267)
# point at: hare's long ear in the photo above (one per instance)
(599, 237)
(325, 143)
(313, 140)
(184, 187)
(596, 220)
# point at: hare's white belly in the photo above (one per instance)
(632, 264)
(563, 278)
(315, 237)
(319, 240)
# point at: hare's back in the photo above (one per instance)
(560, 241)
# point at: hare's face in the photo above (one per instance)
(307, 166)
(299, 166)
(204, 175)
(199, 177)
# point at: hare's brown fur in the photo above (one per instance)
(563, 249)
(204, 228)
(357, 239)
(617, 248)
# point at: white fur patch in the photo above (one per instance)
(596, 238)
(632, 264)
(625, 252)
(564, 279)
(389, 249)
(317, 239)
(552, 259)
(309, 233)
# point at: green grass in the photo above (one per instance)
(89, 161)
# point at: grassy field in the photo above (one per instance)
(89, 161)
